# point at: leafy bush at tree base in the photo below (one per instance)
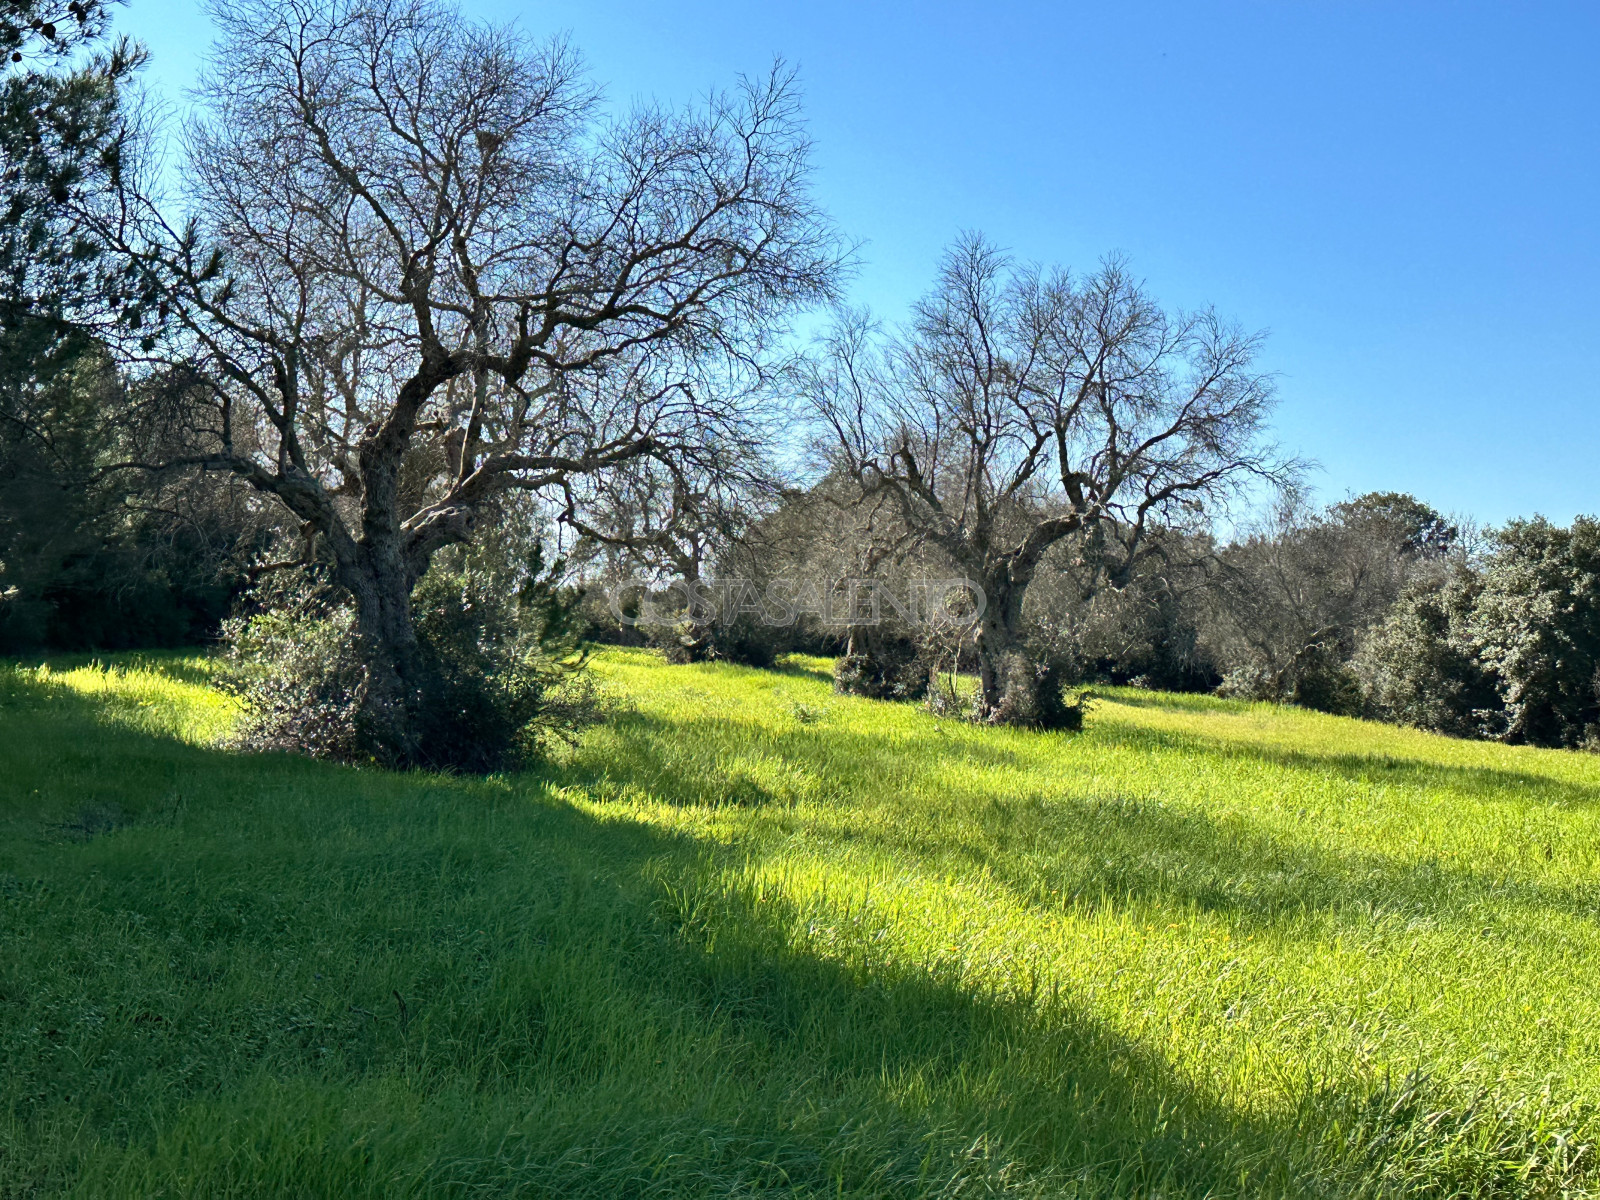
(495, 672)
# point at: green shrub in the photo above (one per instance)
(293, 665)
(496, 673)
(746, 641)
(1536, 625)
(890, 669)
(681, 640)
(1421, 666)
(1315, 677)
(1059, 704)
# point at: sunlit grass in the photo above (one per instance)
(751, 937)
(162, 694)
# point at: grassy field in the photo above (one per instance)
(754, 939)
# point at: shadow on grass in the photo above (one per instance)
(1497, 784)
(514, 994)
(352, 983)
(1187, 702)
(1105, 848)
(666, 1026)
(809, 668)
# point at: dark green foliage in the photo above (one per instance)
(1511, 650)
(61, 136)
(43, 30)
(292, 663)
(494, 676)
(1144, 632)
(888, 668)
(743, 639)
(1039, 693)
(90, 560)
(493, 665)
(1421, 666)
(1059, 705)
(1322, 679)
(86, 560)
(857, 675)
(1537, 626)
(603, 626)
(707, 628)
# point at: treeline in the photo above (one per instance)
(1376, 606)
(90, 557)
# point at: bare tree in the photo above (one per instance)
(421, 266)
(1022, 407)
(674, 518)
(838, 546)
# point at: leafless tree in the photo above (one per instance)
(673, 515)
(670, 519)
(837, 544)
(421, 265)
(1022, 407)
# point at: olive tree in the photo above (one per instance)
(1022, 407)
(670, 520)
(1296, 592)
(418, 263)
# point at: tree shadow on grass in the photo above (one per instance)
(988, 1093)
(1105, 848)
(805, 667)
(514, 994)
(1381, 766)
(611, 961)
(1185, 702)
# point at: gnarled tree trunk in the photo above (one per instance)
(1007, 681)
(386, 643)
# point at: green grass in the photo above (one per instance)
(752, 938)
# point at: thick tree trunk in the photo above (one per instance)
(380, 576)
(386, 643)
(687, 637)
(1008, 688)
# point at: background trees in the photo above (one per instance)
(1021, 408)
(86, 560)
(670, 521)
(1506, 644)
(1293, 597)
(1421, 665)
(96, 561)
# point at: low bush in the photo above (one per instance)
(497, 668)
(890, 669)
(292, 664)
(1060, 705)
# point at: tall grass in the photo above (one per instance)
(751, 938)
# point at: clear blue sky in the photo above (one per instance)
(1406, 195)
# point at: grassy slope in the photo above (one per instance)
(755, 938)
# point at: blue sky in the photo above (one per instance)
(1406, 195)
